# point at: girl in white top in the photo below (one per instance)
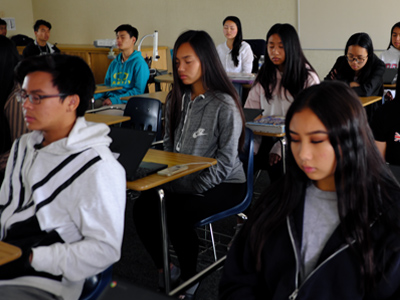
(391, 56)
(236, 56)
(281, 78)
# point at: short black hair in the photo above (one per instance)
(2, 22)
(132, 31)
(41, 22)
(71, 75)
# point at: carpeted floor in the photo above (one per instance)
(136, 266)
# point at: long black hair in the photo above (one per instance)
(237, 42)
(9, 58)
(363, 181)
(214, 77)
(363, 40)
(391, 32)
(296, 70)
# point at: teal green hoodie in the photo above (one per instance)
(132, 76)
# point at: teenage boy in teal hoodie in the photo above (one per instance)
(128, 70)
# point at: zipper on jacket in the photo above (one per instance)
(186, 122)
(293, 296)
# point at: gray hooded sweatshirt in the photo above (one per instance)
(210, 126)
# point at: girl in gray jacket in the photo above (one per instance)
(204, 118)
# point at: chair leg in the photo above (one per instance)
(213, 242)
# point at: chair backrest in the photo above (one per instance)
(94, 285)
(145, 115)
(247, 158)
(258, 46)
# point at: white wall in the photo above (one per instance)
(83, 21)
(22, 11)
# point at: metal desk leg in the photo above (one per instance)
(283, 144)
(164, 240)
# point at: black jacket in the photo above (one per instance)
(336, 276)
(370, 78)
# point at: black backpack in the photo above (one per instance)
(21, 40)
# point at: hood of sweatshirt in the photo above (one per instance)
(82, 136)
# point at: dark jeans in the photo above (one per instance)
(183, 212)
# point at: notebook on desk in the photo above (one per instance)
(389, 75)
(130, 146)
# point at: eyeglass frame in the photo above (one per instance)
(358, 60)
(22, 98)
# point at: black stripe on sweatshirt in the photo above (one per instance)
(16, 148)
(67, 183)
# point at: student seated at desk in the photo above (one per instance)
(54, 202)
(128, 70)
(391, 56)
(40, 46)
(359, 67)
(330, 229)
(386, 128)
(283, 75)
(235, 54)
(203, 118)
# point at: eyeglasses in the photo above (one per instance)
(359, 60)
(35, 99)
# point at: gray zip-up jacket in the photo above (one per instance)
(210, 126)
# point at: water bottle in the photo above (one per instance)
(261, 62)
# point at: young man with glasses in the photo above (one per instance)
(40, 46)
(54, 203)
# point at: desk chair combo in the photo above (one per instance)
(247, 158)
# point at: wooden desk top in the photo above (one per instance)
(390, 86)
(171, 159)
(269, 134)
(106, 88)
(8, 253)
(369, 100)
(162, 96)
(166, 78)
(107, 119)
(169, 78)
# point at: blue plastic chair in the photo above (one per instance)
(145, 115)
(247, 158)
(95, 285)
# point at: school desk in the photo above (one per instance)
(107, 119)
(369, 100)
(195, 163)
(105, 88)
(162, 96)
(8, 253)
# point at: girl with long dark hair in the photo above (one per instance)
(9, 58)
(329, 229)
(235, 54)
(283, 75)
(204, 118)
(359, 67)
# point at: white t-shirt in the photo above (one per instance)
(245, 58)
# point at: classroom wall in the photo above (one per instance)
(82, 22)
(22, 11)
